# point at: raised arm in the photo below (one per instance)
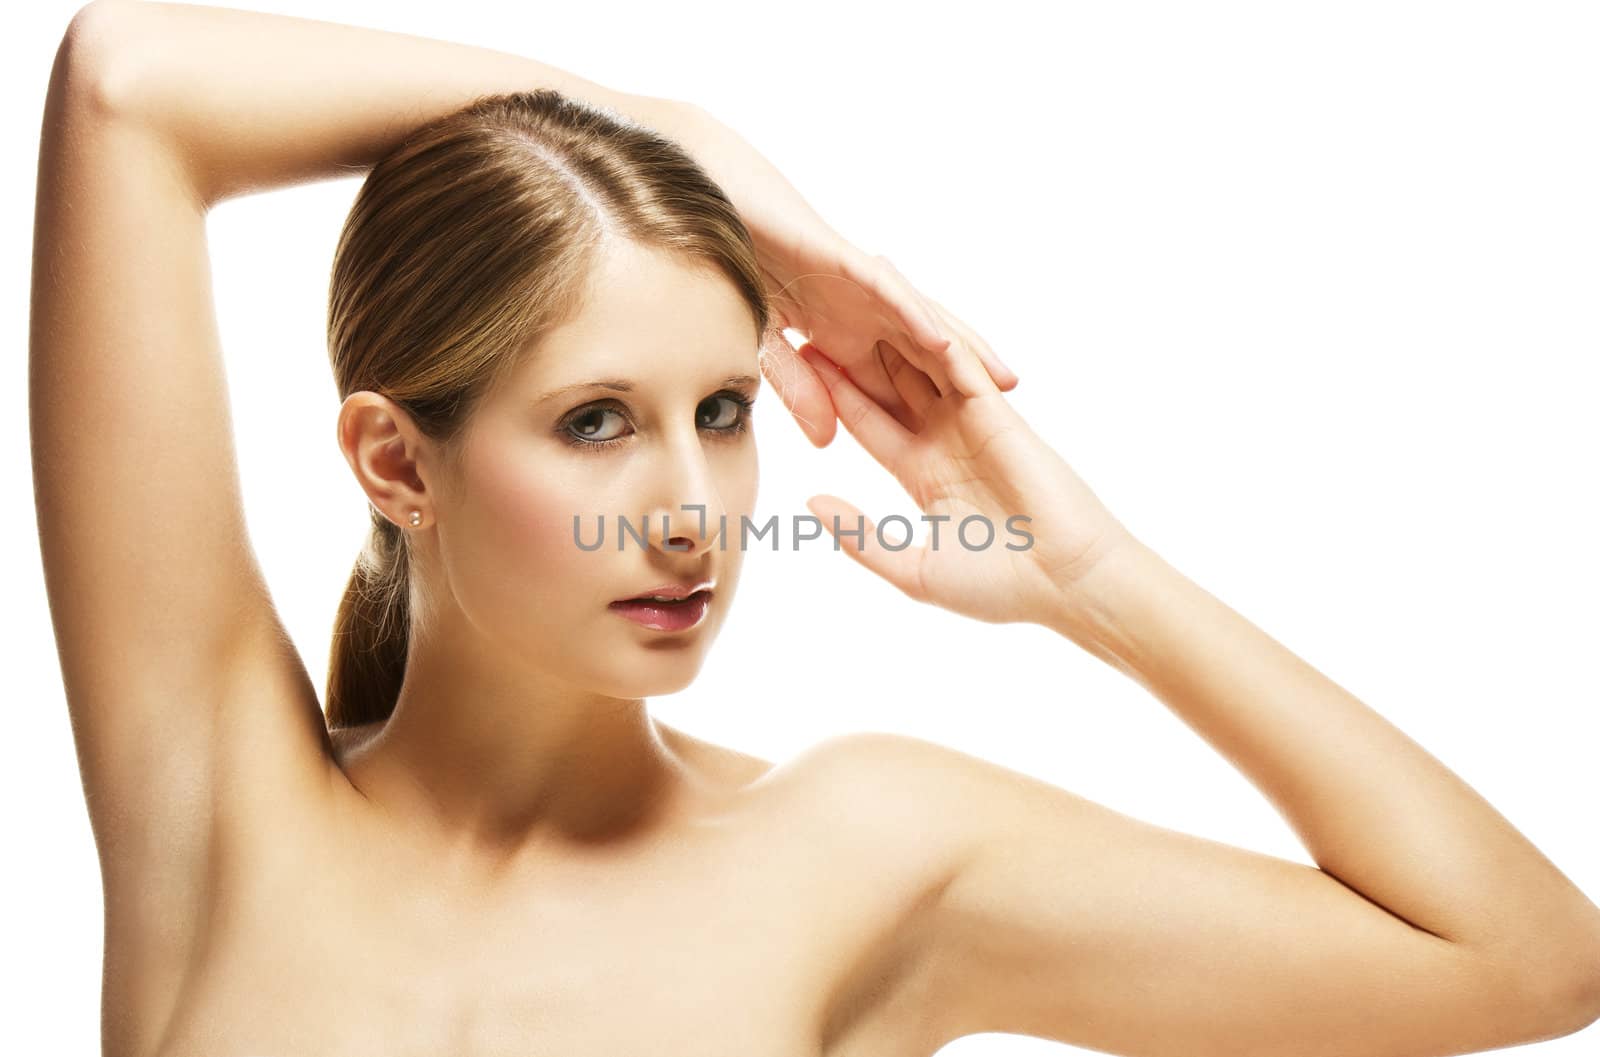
(155, 113)
(251, 101)
(1429, 925)
(190, 708)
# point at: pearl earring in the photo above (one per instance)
(416, 518)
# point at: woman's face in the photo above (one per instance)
(550, 445)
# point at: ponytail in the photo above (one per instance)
(371, 630)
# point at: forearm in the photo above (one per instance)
(252, 101)
(1372, 807)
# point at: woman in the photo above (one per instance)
(497, 848)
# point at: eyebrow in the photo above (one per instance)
(624, 385)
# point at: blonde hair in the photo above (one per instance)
(475, 235)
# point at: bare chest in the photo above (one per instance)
(628, 984)
(729, 943)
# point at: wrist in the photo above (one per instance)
(1095, 609)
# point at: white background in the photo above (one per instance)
(1307, 294)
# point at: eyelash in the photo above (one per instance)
(741, 425)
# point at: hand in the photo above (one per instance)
(960, 456)
(843, 300)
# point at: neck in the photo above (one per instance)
(494, 764)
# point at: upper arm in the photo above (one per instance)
(1066, 920)
(170, 650)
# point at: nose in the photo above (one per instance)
(686, 515)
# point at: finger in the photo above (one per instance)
(879, 275)
(873, 380)
(914, 387)
(933, 368)
(885, 439)
(900, 565)
(883, 355)
(900, 282)
(1003, 376)
(889, 286)
(800, 390)
(966, 370)
(930, 364)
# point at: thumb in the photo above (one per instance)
(898, 563)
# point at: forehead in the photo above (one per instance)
(661, 321)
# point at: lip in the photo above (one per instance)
(670, 591)
(666, 616)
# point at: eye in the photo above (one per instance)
(582, 428)
(734, 403)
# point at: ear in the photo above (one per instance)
(386, 452)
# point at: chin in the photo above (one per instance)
(642, 685)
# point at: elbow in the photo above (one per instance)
(1570, 1009)
(1585, 992)
(1571, 999)
(1585, 988)
(94, 62)
(1554, 981)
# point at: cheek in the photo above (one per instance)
(524, 509)
(749, 481)
(739, 487)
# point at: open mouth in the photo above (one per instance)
(671, 615)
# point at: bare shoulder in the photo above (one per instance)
(859, 780)
(914, 808)
(889, 810)
(942, 792)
